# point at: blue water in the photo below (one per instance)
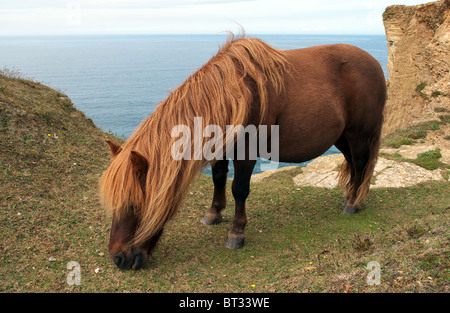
(117, 80)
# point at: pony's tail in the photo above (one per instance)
(345, 177)
(363, 190)
(346, 172)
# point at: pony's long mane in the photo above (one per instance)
(222, 92)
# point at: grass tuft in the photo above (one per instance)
(440, 110)
(410, 135)
(416, 230)
(429, 160)
(420, 87)
(445, 118)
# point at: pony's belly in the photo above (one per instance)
(296, 153)
(299, 146)
(308, 132)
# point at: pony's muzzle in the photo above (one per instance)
(120, 261)
(135, 261)
(138, 262)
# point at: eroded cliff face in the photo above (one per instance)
(418, 39)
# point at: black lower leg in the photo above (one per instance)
(241, 190)
(219, 176)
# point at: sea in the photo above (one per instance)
(118, 80)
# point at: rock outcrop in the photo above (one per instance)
(323, 172)
(418, 39)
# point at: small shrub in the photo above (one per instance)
(420, 87)
(416, 230)
(433, 125)
(418, 133)
(436, 93)
(15, 74)
(397, 142)
(446, 175)
(363, 245)
(445, 118)
(429, 160)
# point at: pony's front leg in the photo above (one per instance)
(240, 189)
(219, 176)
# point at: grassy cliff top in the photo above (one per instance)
(297, 240)
(50, 151)
(51, 158)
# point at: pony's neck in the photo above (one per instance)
(167, 179)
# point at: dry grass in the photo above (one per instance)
(297, 239)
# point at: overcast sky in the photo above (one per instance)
(32, 17)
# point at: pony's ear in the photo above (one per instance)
(115, 148)
(140, 164)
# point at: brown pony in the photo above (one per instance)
(319, 97)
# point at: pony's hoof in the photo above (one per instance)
(351, 209)
(235, 242)
(211, 219)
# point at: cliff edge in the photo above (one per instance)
(418, 39)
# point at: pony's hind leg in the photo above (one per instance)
(240, 189)
(219, 176)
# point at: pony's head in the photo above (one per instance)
(123, 191)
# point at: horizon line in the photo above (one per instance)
(191, 34)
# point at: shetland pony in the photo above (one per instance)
(319, 97)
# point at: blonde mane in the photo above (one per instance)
(222, 92)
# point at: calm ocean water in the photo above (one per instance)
(117, 80)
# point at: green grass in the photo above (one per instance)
(410, 135)
(429, 160)
(297, 239)
(440, 110)
(436, 93)
(420, 87)
(445, 118)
